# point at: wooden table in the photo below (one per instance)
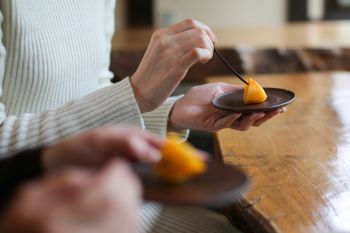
(299, 162)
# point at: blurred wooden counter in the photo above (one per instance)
(297, 35)
(300, 47)
(299, 162)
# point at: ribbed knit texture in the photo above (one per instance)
(53, 52)
(54, 59)
(157, 218)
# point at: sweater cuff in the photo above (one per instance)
(156, 121)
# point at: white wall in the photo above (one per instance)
(222, 13)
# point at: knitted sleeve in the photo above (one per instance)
(156, 121)
(114, 104)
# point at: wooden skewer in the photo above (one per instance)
(229, 66)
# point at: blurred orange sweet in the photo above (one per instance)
(253, 93)
(180, 161)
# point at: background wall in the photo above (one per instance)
(221, 13)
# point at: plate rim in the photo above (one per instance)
(256, 110)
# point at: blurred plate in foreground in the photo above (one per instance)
(221, 184)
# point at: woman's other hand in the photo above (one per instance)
(171, 53)
(196, 111)
(95, 148)
(77, 201)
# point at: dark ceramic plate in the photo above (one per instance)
(220, 185)
(233, 101)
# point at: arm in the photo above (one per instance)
(155, 121)
(111, 105)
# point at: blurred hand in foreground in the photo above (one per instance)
(96, 147)
(77, 201)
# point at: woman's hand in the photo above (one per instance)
(196, 111)
(95, 148)
(171, 53)
(77, 201)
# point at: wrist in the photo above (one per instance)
(139, 95)
(175, 123)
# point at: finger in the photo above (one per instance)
(227, 121)
(119, 176)
(198, 41)
(190, 24)
(194, 56)
(118, 169)
(267, 117)
(138, 148)
(185, 36)
(284, 109)
(32, 193)
(105, 189)
(130, 142)
(67, 184)
(154, 140)
(208, 30)
(245, 123)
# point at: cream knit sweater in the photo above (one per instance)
(53, 64)
(54, 60)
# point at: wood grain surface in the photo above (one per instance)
(299, 162)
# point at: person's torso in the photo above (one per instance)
(56, 51)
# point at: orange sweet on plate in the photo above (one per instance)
(180, 161)
(253, 93)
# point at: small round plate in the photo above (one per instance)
(233, 101)
(221, 184)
